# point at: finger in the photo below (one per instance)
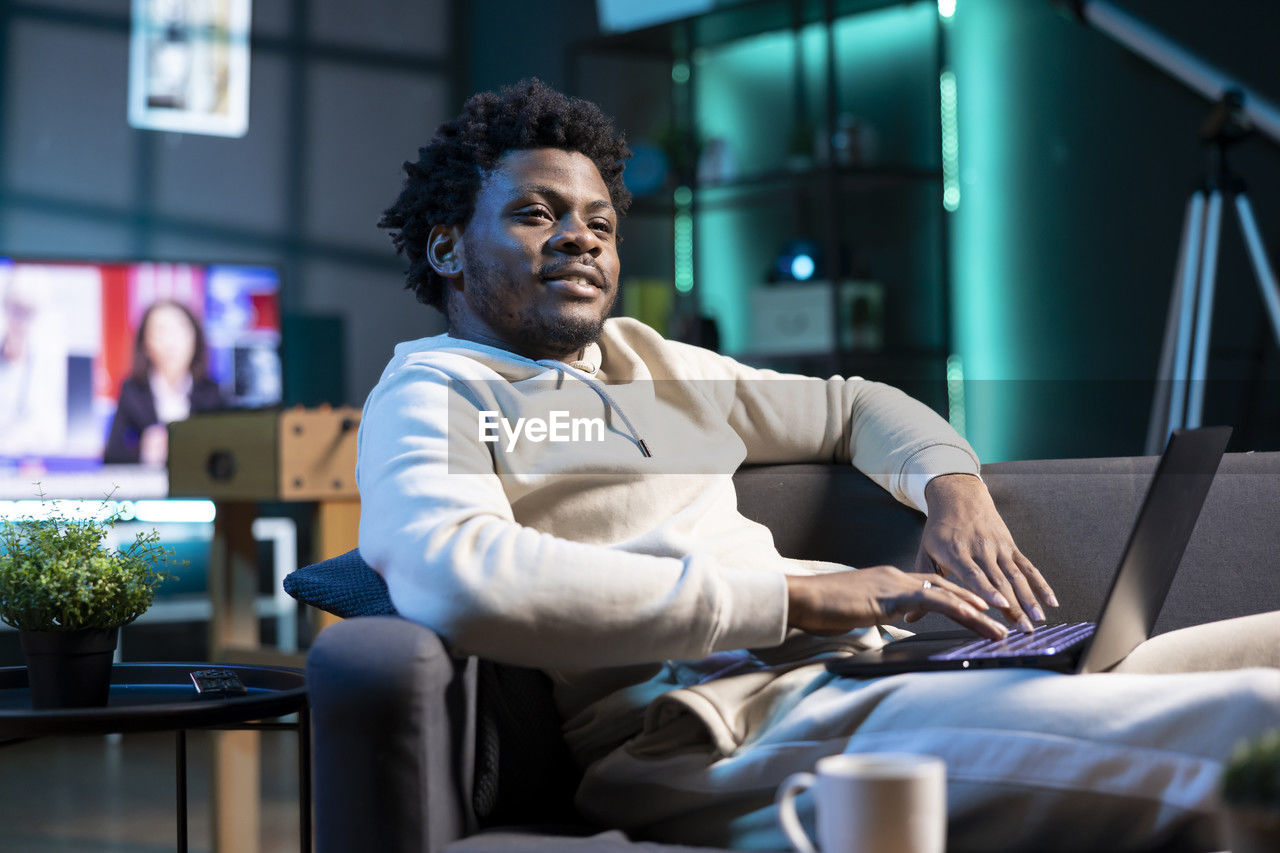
(968, 573)
(921, 580)
(1021, 588)
(915, 598)
(1043, 591)
(970, 598)
(948, 604)
(996, 577)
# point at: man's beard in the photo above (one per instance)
(528, 331)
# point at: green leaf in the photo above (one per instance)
(56, 573)
(1252, 774)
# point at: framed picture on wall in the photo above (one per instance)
(189, 66)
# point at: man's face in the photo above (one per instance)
(539, 258)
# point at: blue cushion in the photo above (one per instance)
(343, 585)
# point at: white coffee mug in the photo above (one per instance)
(884, 802)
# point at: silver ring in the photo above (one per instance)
(928, 585)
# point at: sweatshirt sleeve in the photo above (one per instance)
(894, 439)
(436, 523)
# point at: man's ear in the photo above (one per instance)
(444, 251)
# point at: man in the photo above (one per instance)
(684, 649)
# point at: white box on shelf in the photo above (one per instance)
(792, 318)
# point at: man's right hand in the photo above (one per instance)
(837, 602)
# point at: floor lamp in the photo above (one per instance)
(1236, 113)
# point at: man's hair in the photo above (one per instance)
(441, 187)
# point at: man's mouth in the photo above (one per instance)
(576, 281)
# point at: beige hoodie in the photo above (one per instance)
(605, 546)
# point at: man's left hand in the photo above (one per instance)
(966, 540)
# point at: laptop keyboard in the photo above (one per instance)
(1046, 640)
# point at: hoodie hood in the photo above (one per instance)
(505, 363)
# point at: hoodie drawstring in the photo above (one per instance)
(596, 386)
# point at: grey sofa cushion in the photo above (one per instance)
(829, 512)
(1071, 517)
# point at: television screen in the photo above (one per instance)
(97, 358)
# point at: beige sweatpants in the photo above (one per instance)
(1036, 761)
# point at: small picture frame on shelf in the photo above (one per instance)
(794, 318)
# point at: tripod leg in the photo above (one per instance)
(1163, 404)
(1204, 310)
(1261, 266)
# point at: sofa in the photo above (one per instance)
(420, 751)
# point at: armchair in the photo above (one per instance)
(417, 750)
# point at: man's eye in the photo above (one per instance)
(534, 213)
(603, 226)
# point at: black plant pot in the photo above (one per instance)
(69, 669)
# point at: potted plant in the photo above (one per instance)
(68, 593)
(1251, 796)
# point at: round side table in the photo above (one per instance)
(148, 697)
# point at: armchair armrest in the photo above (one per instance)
(393, 716)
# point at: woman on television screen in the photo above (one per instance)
(169, 382)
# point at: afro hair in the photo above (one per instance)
(441, 187)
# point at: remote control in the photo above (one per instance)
(218, 682)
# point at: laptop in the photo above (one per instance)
(1138, 590)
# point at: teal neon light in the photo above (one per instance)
(950, 142)
(683, 198)
(955, 393)
(986, 281)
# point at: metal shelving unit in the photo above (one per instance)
(820, 195)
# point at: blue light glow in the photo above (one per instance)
(802, 267)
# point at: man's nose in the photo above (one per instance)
(575, 238)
